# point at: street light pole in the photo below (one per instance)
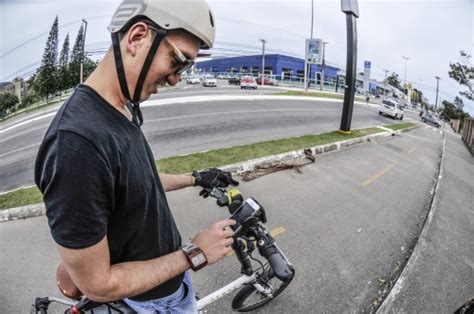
(83, 53)
(263, 60)
(351, 10)
(406, 59)
(385, 81)
(323, 65)
(307, 67)
(437, 88)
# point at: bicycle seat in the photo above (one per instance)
(65, 284)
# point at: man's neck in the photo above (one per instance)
(104, 81)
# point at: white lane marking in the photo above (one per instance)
(21, 133)
(193, 99)
(19, 149)
(226, 113)
(26, 122)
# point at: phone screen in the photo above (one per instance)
(248, 209)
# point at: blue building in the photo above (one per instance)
(276, 65)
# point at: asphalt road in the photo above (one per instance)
(345, 222)
(183, 128)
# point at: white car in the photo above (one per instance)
(193, 80)
(391, 108)
(248, 82)
(209, 80)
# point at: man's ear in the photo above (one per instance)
(135, 36)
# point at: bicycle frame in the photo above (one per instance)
(222, 292)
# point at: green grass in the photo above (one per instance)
(400, 126)
(213, 158)
(225, 156)
(21, 197)
(317, 94)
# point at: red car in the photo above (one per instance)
(266, 81)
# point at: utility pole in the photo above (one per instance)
(83, 53)
(437, 88)
(312, 17)
(323, 65)
(385, 82)
(307, 67)
(263, 60)
(406, 59)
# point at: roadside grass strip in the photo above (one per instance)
(226, 156)
(317, 94)
(22, 197)
(400, 126)
(209, 159)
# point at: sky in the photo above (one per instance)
(429, 32)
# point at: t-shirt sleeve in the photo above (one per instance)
(77, 185)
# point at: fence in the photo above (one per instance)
(468, 133)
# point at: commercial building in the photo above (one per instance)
(276, 65)
(17, 87)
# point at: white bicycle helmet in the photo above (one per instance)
(192, 16)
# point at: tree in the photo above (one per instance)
(394, 81)
(63, 73)
(76, 55)
(458, 103)
(463, 73)
(417, 96)
(47, 80)
(7, 101)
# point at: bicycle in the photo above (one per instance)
(258, 286)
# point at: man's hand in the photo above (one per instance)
(213, 178)
(216, 240)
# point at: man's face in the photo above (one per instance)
(166, 61)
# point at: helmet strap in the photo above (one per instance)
(135, 101)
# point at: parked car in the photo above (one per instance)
(429, 118)
(193, 80)
(266, 81)
(234, 80)
(209, 80)
(248, 82)
(391, 108)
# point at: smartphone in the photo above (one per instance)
(248, 209)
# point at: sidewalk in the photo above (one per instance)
(439, 276)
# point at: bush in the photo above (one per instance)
(7, 101)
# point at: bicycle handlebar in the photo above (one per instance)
(267, 247)
(280, 265)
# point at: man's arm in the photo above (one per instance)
(173, 182)
(91, 271)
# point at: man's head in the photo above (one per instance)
(156, 40)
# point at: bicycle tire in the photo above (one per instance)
(244, 293)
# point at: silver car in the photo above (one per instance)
(429, 118)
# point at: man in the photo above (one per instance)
(105, 200)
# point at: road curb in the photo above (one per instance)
(22, 212)
(38, 209)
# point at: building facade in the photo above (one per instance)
(279, 66)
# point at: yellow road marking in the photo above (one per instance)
(378, 175)
(411, 150)
(275, 233)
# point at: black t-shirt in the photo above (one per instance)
(98, 177)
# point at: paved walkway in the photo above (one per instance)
(439, 277)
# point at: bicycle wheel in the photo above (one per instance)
(249, 298)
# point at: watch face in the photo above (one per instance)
(198, 259)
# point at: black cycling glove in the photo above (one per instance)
(213, 178)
